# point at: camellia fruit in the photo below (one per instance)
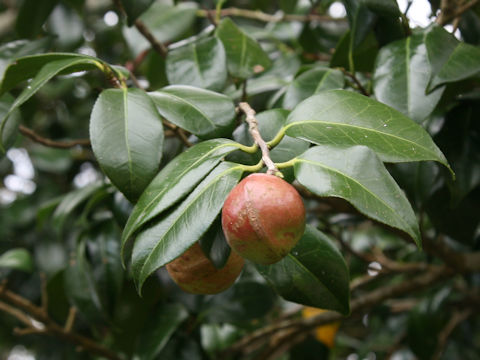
(263, 218)
(196, 274)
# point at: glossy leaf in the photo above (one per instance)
(202, 112)
(27, 67)
(16, 49)
(362, 57)
(358, 176)
(347, 118)
(401, 75)
(135, 8)
(313, 274)
(451, 60)
(245, 56)
(10, 129)
(175, 181)
(17, 259)
(175, 233)
(48, 71)
(126, 132)
(201, 63)
(158, 330)
(312, 82)
(70, 202)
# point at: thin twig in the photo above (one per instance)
(52, 143)
(145, 31)
(253, 128)
(38, 322)
(72, 313)
(457, 318)
(264, 17)
(356, 81)
(447, 14)
(44, 292)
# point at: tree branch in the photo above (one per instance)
(145, 31)
(456, 319)
(38, 322)
(264, 17)
(448, 13)
(253, 128)
(52, 143)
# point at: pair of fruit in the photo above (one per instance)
(263, 218)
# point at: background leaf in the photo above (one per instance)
(201, 63)
(202, 112)
(451, 60)
(9, 133)
(135, 8)
(158, 330)
(32, 15)
(347, 118)
(169, 237)
(17, 259)
(358, 176)
(312, 82)
(245, 57)
(401, 75)
(314, 260)
(127, 139)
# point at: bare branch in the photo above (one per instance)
(253, 128)
(448, 12)
(52, 143)
(456, 319)
(261, 16)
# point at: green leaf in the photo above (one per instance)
(126, 132)
(401, 75)
(48, 71)
(32, 15)
(170, 237)
(175, 181)
(383, 7)
(10, 129)
(245, 56)
(201, 63)
(358, 176)
(450, 59)
(214, 244)
(80, 286)
(312, 82)
(71, 201)
(17, 259)
(313, 274)
(18, 48)
(158, 330)
(135, 8)
(347, 118)
(204, 113)
(363, 55)
(27, 67)
(166, 23)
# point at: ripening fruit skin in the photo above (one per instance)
(263, 218)
(196, 274)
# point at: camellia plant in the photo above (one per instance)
(239, 179)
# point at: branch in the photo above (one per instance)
(456, 319)
(143, 29)
(358, 305)
(448, 14)
(253, 128)
(52, 143)
(38, 322)
(261, 16)
(356, 81)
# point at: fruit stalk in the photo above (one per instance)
(253, 128)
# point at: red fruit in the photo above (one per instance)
(263, 218)
(196, 274)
